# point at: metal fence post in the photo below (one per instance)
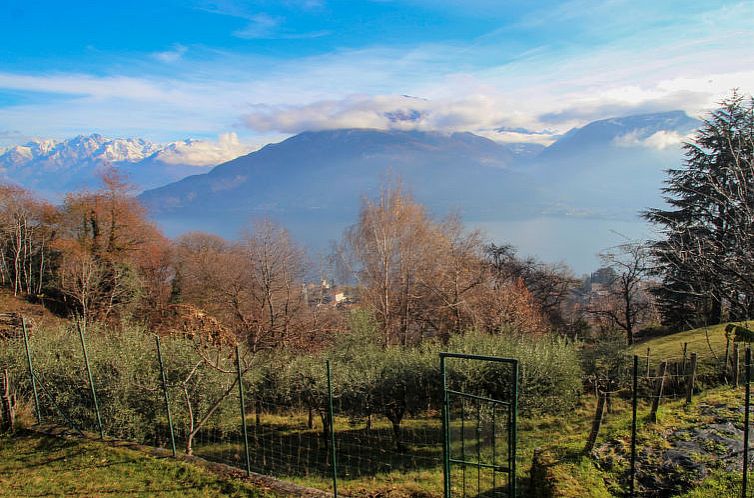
(243, 411)
(31, 372)
(747, 369)
(165, 392)
(691, 379)
(445, 429)
(514, 430)
(331, 411)
(634, 403)
(91, 380)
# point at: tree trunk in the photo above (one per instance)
(397, 435)
(8, 405)
(190, 443)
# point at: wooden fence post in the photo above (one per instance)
(658, 391)
(691, 379)
(727, 357)
(735, 365)
(596, 424)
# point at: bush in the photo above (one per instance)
(549, 370)
(126, 376)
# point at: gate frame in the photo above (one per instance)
(512, 411)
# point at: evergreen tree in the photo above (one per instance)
(706, 258)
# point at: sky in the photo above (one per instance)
(252, 72)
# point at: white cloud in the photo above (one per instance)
(170, 56)
(384, 112)
(660, 140)
(547, 89)
(204, 152)
(259, 26)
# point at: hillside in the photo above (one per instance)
(692, 451)
(708, 342)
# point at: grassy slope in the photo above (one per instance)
(575, 475)
(36, 465)
(707, 342)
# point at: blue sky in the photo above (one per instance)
(168, 70)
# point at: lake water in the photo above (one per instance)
(573, 240)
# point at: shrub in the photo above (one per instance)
(549, 370)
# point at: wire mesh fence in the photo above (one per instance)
(314, 425)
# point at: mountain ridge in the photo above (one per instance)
(54, 167)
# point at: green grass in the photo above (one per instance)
(575, 475)
(37, 465)
(707, 342)
(370, 465)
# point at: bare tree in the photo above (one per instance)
(425, 278)
(627, 301)
(551, 285)
(27, 230)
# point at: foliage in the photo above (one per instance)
(550, 372)
(606, 361)
(740, 334)
(705, 255)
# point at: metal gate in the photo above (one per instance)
(479, 425)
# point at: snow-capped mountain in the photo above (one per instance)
(81, 149)
(52, 168)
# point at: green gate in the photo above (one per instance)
(479, 425)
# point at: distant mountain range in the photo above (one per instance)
(609, 168)
(53, 168)
(313, 182)
(323, 175)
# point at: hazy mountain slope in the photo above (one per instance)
(324, 175)
(614, 167)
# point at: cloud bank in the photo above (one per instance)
(204, 152)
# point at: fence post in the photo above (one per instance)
(634, 403)
(685, 349)
(726, 360)
(243, 411)
(658, 391)
(514, 430)
(332, 431)
(38, 409)
(596, 423)
(165, 392)
(691, 379)
(735, 365)
(445, 429)
(647, 375)
(91, 380)
(747, 403)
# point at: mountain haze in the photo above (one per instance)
(324, 174)
(591, 182)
